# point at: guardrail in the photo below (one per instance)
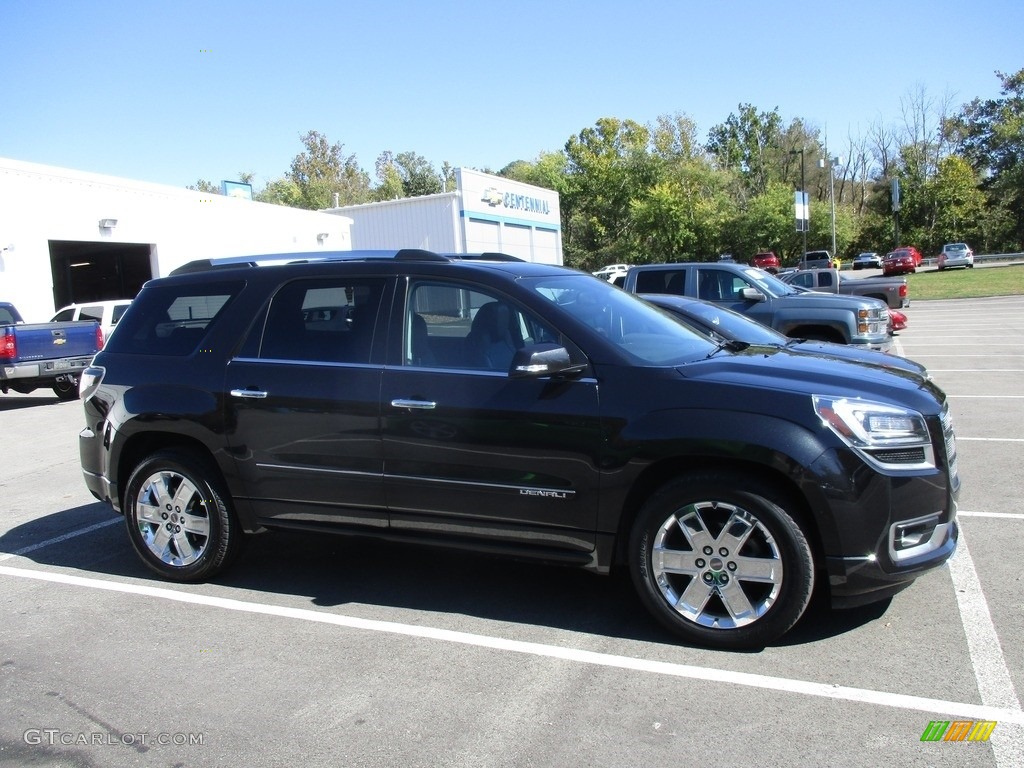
(1010, 258)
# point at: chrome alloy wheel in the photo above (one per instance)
(173, 520)
(717, 565)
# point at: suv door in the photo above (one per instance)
(303, 399)
(470, 451)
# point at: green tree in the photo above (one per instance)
(208, 187)
(323, 170)
(957, 204)
(992, 140)
(750, 144)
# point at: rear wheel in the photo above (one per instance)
(717, 559)
(66, 387)
(179, 519)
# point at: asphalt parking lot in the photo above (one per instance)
(337, 652)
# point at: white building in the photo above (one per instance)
(484, 213)
(69, 236)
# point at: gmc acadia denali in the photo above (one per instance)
(488, 403)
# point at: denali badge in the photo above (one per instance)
(547, 494)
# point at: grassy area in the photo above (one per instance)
(967, 283)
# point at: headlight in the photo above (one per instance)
(885, 435)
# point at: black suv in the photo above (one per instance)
(503, 406)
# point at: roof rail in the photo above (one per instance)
(404, 254)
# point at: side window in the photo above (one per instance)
(172, 319)
(804, 281)
(661, 281)
(324, 320)
(91, 313)
(719, 285)
(63, 316)
(451, 326)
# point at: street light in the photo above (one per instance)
(804, 219)
(832, 194)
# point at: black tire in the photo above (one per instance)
(726, 544)
(66, 388)
(179, 518)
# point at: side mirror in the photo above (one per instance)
(547, 359)
(752, 294)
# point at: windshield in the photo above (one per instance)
(641, 332)
(768, 283)
(733, 325)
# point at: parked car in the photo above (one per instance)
(795, 312)
(723, 324)
(612, 271)
(901, 261)
(867, 260)
(816, 260)
(50, 355)
(956, 255)
(106, 313)
(487, 403)
(897, 320)
(766, 260)
(892, 290)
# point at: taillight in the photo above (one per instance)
(9, 348)
(99, 338)
(903, 291)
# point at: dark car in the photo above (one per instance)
(766, 260)
(491, 404)
(724, 325)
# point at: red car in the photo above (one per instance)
(901, 261)
(767, 261)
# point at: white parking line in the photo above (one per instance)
(990, 397)
(1001, 515)
(994, 682)
(989, 439)
(58, 539)
(1002, 714)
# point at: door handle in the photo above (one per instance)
(420, 405)
(251, 394)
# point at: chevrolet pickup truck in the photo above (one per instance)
(891, 290)
(794, 312)
(34, 355)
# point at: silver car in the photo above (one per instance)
(956, 255)
(868, 260)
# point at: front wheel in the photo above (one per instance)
(716, 558)
(179, 519)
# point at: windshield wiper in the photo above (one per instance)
(731, 344)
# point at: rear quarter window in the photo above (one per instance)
(172, 319)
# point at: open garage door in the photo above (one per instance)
(87, 271)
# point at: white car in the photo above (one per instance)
(612, 271)
(956, 255)
(107, 312)
(867, 260)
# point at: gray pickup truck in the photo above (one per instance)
(53, 355)
(791, 311)
(891, 290)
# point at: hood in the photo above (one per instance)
(796, 373)
(858, 354)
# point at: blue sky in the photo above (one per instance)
(171, 92)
